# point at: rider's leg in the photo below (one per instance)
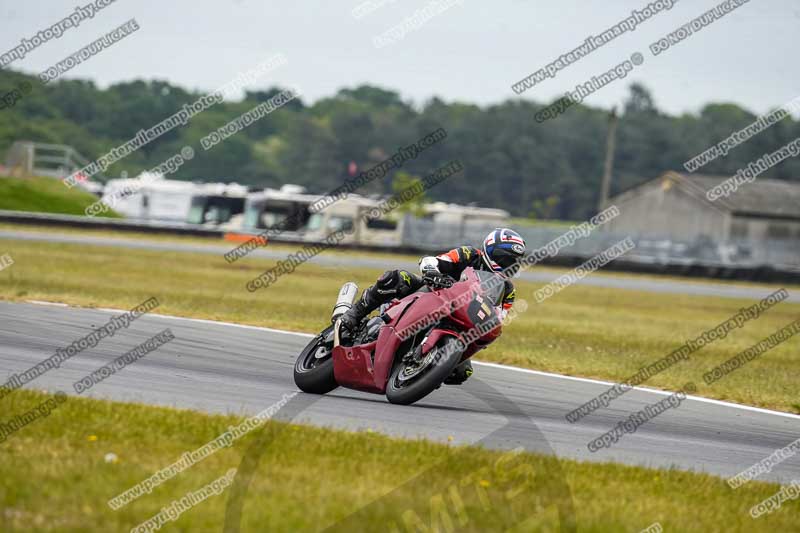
(392, 284)
(461, 373)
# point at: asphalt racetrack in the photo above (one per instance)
(227, 368)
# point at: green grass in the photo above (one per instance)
(53, 477)
(287, 248)
(581, 331)
(390, 257)
(45, 195)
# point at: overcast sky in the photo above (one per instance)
(472, 52)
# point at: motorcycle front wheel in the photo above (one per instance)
(411, 381)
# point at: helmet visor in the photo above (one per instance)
(506, 260)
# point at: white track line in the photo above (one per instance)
(491, 365)
(52, 304)
(643, 389)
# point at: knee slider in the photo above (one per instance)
(388, 280)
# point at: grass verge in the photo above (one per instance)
(390, 257)
(56, 476)
(45, 195)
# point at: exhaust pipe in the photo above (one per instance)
(347, 295)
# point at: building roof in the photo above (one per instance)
(763, 197)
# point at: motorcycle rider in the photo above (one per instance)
(501, 249)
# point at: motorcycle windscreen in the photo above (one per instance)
(493, 286)
(482, 310)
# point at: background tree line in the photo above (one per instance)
(547, 170)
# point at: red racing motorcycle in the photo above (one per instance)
(413, 346)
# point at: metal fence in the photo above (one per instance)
(26, 158)
(774, 254)
(762, 261)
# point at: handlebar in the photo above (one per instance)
(439, 281)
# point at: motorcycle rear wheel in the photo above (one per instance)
(313, 370)
(445, 356)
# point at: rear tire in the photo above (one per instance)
(314, 375)
(431, 378)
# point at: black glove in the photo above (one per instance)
(430, 275)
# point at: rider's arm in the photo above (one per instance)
(456, 260)
(509, 295)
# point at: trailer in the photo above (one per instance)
(351, 215)
(287, 208)
(218, 204)
(149, 197)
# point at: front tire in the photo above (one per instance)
(445, 357)
(313, 370)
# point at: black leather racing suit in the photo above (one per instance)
(401, 283)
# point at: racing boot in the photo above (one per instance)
(392, 284)
(460, 374)
(352, 318)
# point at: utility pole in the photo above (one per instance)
(608, 168)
